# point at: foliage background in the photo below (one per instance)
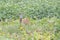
(10, 9)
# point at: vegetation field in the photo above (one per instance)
(29, 19)
(44, 29)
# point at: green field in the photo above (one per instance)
(43, 16)
(44, 29)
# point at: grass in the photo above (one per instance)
(44, 29)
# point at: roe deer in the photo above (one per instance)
(25, 21)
